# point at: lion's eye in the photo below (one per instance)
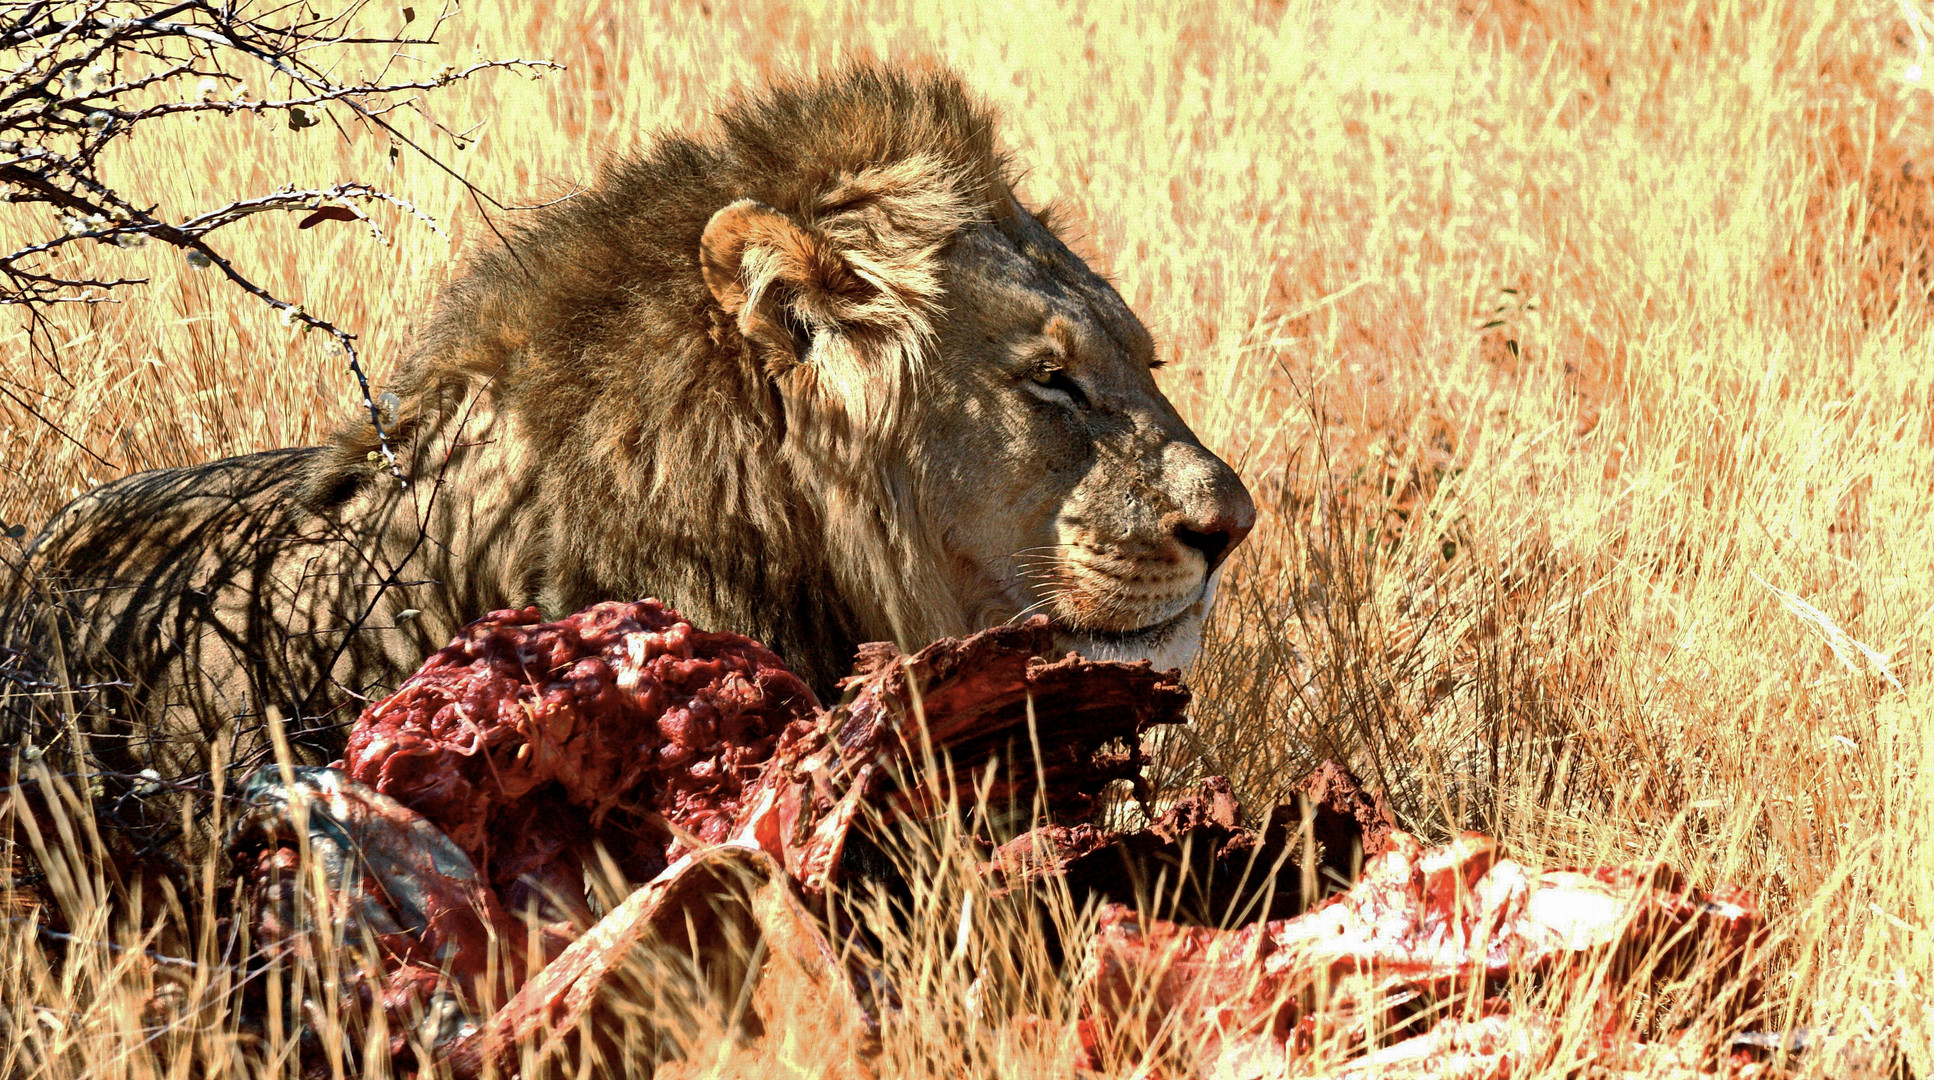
(1054, 377)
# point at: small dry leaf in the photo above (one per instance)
(329, 213)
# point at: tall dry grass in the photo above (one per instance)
(1578, 355)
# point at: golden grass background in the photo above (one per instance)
(1578, 354)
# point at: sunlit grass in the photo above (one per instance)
(1578, 356)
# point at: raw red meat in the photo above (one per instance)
(522, 740)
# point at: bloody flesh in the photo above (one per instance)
(523, 739)
(1062, 728)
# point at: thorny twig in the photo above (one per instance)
(84, 74)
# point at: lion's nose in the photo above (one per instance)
(1217, 526)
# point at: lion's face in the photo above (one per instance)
(1071, 485)
(974, 413)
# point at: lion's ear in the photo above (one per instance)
(836, 306)
(721, 251)
(781, 279)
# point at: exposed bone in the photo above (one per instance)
(712, 905)
(1451, 920)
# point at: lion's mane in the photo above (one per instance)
(649, 426)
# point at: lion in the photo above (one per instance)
(813, 374)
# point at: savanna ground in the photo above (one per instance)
(1579, 356)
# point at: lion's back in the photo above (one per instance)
(187, 605)
(125, 562)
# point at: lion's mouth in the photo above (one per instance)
(1150, 638)
(1168, 642)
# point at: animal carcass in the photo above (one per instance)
(454, 834)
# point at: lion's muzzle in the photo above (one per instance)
(1137, 582)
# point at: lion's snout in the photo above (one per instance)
(1210, 510)
(1214, 525)
(1139, 565)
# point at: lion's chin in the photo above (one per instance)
(1170, 643)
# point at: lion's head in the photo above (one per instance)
(816, 375)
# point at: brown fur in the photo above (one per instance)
(804, 376)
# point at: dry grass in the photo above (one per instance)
(1578, 355)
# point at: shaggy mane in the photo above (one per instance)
(647, 420)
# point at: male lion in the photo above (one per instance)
(813, 375)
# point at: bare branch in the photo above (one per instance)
(92, 72)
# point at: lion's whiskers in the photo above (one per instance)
(1051, 565)
(1031, 609)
